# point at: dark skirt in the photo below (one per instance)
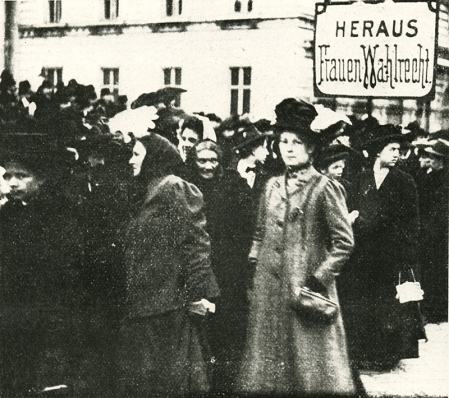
(163, 355)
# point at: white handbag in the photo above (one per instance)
(409, 291)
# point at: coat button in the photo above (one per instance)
(280, 223)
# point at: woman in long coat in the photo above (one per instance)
(381, 331)
(228, 209)
(303, 237)
(167, 275)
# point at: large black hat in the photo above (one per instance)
(164, 95)
(295, 116)
(383, 135)
(247, 135)
(330, 154)
(37, 152)
(441, 134)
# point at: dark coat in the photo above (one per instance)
(228, 208)
(386, 234)
(40, 292)
(301, 233)
(433, 191)
(167, 250)
(167, 261)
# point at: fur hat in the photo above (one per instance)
(295, 116)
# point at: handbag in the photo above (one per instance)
(314, 306)
(409, 291)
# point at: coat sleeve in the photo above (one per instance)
(193, 242)
(259, 231)
(341, 240)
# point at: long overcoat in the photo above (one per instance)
(301, 232)
(380, 330)
(167, 264)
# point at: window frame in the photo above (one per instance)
(240, 97)
(173, 8)
(54, 11)
(54, 74)
(111, 79)
(113, 9)
(173, 78)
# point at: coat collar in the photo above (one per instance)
(300, 178)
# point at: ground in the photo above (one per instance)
(426, 376)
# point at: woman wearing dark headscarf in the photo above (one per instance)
(167, 275)
(228, 210)
(303, 238)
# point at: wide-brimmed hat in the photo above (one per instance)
(247, 135)
(439, 149)
(295, 116)
(331, 154)
(164, 95)
(384, 135)
(443, 134)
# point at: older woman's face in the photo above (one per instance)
(139, 153)
(207, 163)
(294, 151)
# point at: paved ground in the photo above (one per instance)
(426, 376)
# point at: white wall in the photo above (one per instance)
(205, 53)
(82, 12)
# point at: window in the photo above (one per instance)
(55, 9)
(53, 75)
(172, 77)
(240, 90)
(111, 80)
(173, 7)
(238, 5)
(111, 9)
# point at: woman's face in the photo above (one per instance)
(22, 182)
(389, 155)
(207, 163)
(188, 140)
(294, 151)
(335, 170)
(139, 153)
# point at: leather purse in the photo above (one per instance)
(314, 306)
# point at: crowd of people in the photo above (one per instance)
(146, 251)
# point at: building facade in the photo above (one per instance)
(232, 56)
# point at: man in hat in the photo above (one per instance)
(380, 331)
(434, 233)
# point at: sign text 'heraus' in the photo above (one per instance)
(375, 50)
